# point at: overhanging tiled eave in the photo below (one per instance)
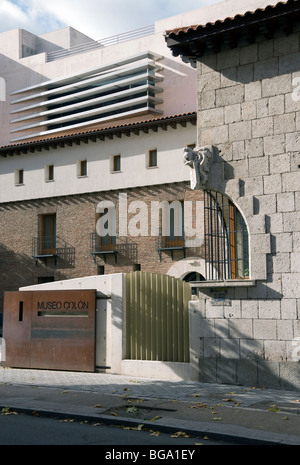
(98, 134)
(193, 42)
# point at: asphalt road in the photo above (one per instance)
(19, 429)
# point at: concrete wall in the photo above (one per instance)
(110, 330)
(134, 151)
(21, 73)
(248, 110)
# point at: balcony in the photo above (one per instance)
(112, 245)
(45, 247)
(166, 244)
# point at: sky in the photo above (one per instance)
(96, 18)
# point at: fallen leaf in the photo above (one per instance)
(155, 433)
(155, 418)
(180, 434)
(198, 405)
(7, 411)
(217, 419)
(273, 408)
(98, 406)
(114, 414)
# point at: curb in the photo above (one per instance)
(236, 435)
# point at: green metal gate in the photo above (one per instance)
(157, 317)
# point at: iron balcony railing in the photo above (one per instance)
(112, 245)
(95, 44)
(165, 244)
(44, 247)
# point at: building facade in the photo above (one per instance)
(248, 108)
(92, 136)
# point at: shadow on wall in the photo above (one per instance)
(19, 270)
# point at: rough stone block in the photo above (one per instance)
(280, 163)
(269, 309)
(283, 242)
(246, 372)
(286, 202)
(281, 263)
(291, 222)
(226, 371)
(248, 111)
(277, 85)
(229, 95)
(249, 309)
(285, 330)
(266, 69)
(291, 182)
(262, 127)
(288, 309)
(292, 142)
(212, 117)
(295, 262)
(284, 123)
(274, 145)
(264, 329)
(258, 166)
(290, 375)
(276, 105)
(255, 147)
(238, 150)
(275, 351)
(253, 91)
(229, 77)
(240, 328)
(251, 349)
(257, 224)
(272, 183)
(248, 54)
(296, 241)
(240, 131)
(228, 59)
(230, 348)
(232, 113)
(268, 374)
(291, 285)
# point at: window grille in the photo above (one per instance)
(226, 239)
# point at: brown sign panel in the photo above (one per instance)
(50, 329)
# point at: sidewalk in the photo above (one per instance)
(232, 413)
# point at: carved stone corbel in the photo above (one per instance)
(198, 160)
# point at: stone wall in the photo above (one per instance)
(249, 108)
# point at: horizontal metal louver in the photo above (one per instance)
(125, 88)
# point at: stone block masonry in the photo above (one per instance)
(249, 106)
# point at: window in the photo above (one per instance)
(116, 163)
(82, 168)
(226, 239)
(152, 158)
(173, 225)
(48, 239)
(106, 229)
(19, 177)
(49, 173)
